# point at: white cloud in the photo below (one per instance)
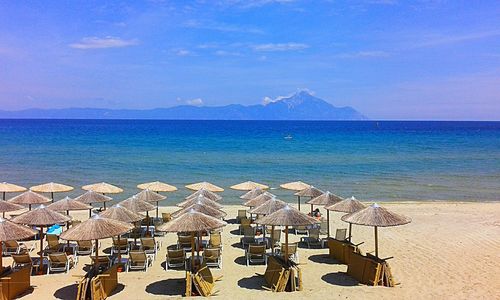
(195, 102)
(268, 100)
(103, 43)
(363, 54)
(223, 27)
(226, 53)
(437, 40)
(280, 47)
(183, 52)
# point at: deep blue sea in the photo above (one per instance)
(383, 161)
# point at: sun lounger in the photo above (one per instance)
(341, 250)
(248, 238)
(185, 242)
(150, 246)
(292, 251)
(300, 229)
(24, 259)
(101, 261)
(53, 244)
(121, 246)
(15, 282)
(242, 214)
(138, 260)
(59, 262)
(281, 275)
(175, 258)
(204, 281)
(256, 254)
(245, 223)
(84, 248)
(215, 240)
(212, 257)
(312, 238)
(14, 247)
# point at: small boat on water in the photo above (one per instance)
(288, 137)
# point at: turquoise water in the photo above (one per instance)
(381, 161)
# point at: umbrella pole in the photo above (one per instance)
(328, 222)
(298, 201)
(96, 263)
(29, 206)
(119, 251)
(157, 209)
(286, 243)
(1, 258)
(311, 210)
(147, 223)
(192, 251)
(272, 239)
(52, 196)
(67, 226)
(376, 242)
(90, 211)
(264, 235)
(40, 269)
(3, 197)
(350, 227)
(198, 246)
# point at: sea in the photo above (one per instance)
(371, 160)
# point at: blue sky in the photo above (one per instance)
(389, 59)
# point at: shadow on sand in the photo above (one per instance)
(252, 283)
(323, 259)
(167, 287)
(339, 278)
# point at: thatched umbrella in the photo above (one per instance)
(122, 214)
(252, 194)
(103, 188)
(376, 216)
(90, 197)
(41, 216)
(29, 198)
(136, 205)
(150, 196)
(248, 186)
(68, 204)
(6, 187)
(192, 221)
(11, 231)
(325, 199)
(96, 228)
(295, 186)
(287, 216)
(157, 186)
(310, 191)
(348, 205)
(6, 206)
(204, 185)
(268, 208)
(199, 207)
(205, 193)
(259, 200)
(204, 200)
(51, 187)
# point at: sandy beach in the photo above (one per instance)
(450, 250)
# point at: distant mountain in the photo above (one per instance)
(300, 106)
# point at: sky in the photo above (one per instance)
(389, 59)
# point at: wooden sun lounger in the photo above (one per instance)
(341, 250)
(370, 270)
(15, 283)
(204, 281)
(101, 285)
(280, 275)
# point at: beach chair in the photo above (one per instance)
(312, 238)
(276, 238)
(53, 244)
(323, 229)
(175, 258)
(150, 246)
(256, 254)
(138, 260)
(101, 261)
(215, 240)
(341, 234)
(158, 233)
(185, 242)
(122, 246)
(24, 259)
(84, 248)
(14, 247)
(212, 257)
(292, 251)
(166, 217)
(59, 262)
(248, 237)
(245, 223)
(204, 281)
(242, 214)
(300, 229)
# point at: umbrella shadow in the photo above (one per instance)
(67, 292)
(235, 232)
(242, 261)
(167, 287)
(237, 245)
(107, 251)
(323, 259)
(252, 283)
(339, 278)
(231, 221)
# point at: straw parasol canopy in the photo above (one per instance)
(136, 205)
(294, 186)
(259, 200)
(348, 205)
(309, 191)
(11, 231)
(325, 199)
(68, 204)
(6, 187)
(51, 187)
(6, 206)
(157, 186)
(287, 216)
(199, 207)
(29, 198)
(90, 197)
(120, 213)
(149, 196)
(248, 186)
(204, 185)
(192, 221)
(252, 193)
(205, 193)
(41, 216)
(103, 188)
(268, 207)
(376, 216)
(200, 199)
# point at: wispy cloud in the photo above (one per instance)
(183, 52)
(441, 39)
(195, 102)
(272, 47)
(103, 43)
(223, 27)
(253, 3)
(363, 54)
